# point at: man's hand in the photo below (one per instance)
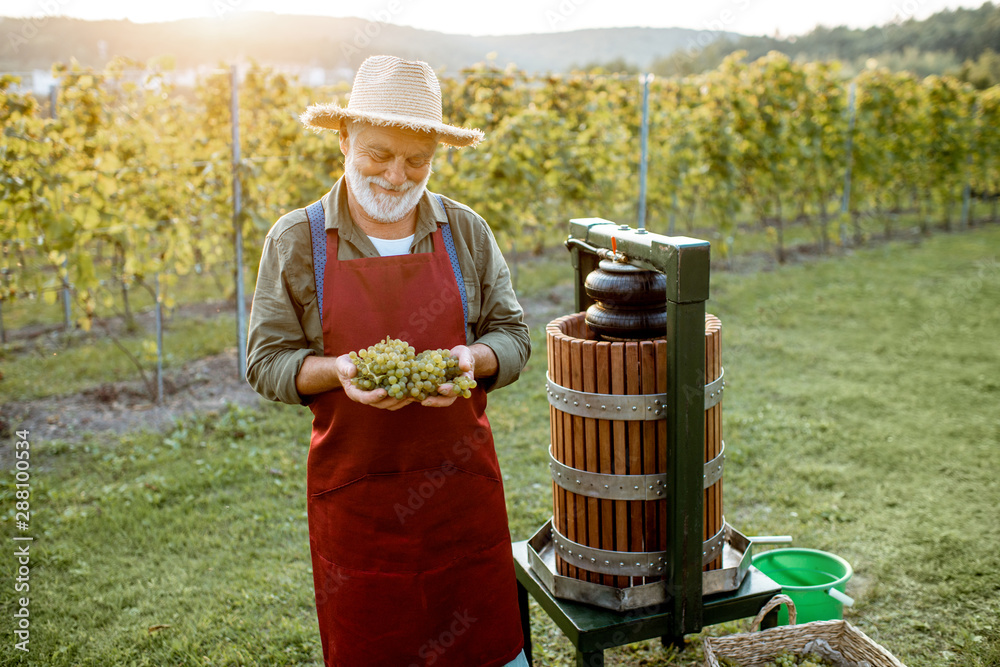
(469, 360)
(377, 398)
(448, 392)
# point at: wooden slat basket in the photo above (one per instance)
(754, 649)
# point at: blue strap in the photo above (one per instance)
(449, 245)
(317, 228)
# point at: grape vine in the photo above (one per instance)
(131, 176)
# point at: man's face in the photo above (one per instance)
(387, 168)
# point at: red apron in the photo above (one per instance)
(408, 529)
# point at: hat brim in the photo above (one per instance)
(328, 116)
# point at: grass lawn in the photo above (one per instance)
(861, 417)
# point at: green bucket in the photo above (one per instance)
(815, 580)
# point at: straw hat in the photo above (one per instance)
(390, 91)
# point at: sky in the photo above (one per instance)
(507, 17)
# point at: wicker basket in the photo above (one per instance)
(754, 649)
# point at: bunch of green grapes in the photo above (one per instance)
(395, 366)
(787, 659)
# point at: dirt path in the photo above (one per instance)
(121, 407)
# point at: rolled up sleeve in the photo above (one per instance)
(276, 343)
(501, 319)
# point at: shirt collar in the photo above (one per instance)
(430, 213)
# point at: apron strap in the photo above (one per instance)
(317, 229)
(449, 245)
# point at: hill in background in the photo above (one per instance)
(963, 42)
(327, 43)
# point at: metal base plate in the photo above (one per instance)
(736, 556)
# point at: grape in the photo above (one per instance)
(787, 659)
(395, 366)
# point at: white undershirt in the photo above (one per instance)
(392, 247)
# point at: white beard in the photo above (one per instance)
(379, 205)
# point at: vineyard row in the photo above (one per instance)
(124, 161)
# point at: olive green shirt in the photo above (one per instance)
(285, 323)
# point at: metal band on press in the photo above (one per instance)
(610, 486)
(714, 389)
(623, 407)
(623, 563)
(605, 485)
(634, 407)
(713, 468)
(628, 563)
(712, 547)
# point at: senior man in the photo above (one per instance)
(408, 531)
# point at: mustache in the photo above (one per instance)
(380, 181)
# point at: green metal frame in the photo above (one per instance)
(686, 263)
(593, 630)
